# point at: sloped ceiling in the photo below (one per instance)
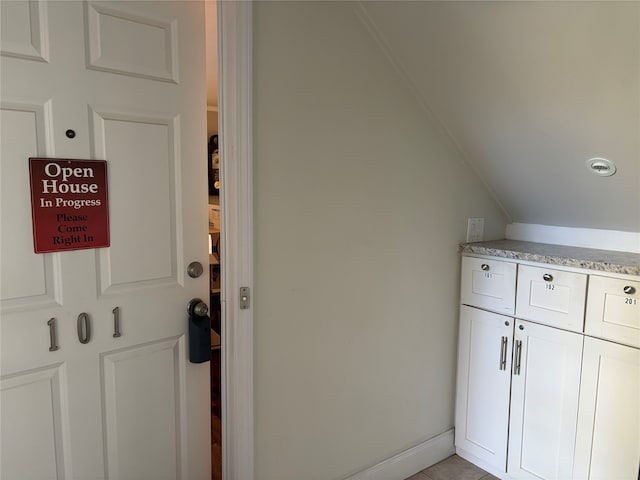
(530, 91)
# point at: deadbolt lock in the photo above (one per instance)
(195, 269)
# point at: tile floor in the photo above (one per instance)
(453, 468)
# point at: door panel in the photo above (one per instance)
(484, 378)
(131, 44)
(144, 217)
(127, 402)
(24, 30)
(544, 402)
(608, 440)
(136, 402)
(24, 133)
(34, 404)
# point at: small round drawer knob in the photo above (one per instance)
(629, 290)
(485, 267)
(547, 277)
(521, 327)
(506, 323)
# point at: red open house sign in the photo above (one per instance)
(69, 204)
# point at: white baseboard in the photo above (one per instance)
(412, 460)
(575, 237)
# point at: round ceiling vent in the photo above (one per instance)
(601, 167)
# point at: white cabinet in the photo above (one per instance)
(544, 401)
(540, 366)
(538, 397)
(488, 284)
(550, 296)
(613, 309)
(484, 380)
(608, 439)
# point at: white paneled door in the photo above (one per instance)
(484, 382)
(128, 78)
(608, 438)
(544, 402)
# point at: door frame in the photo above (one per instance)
(236, 163)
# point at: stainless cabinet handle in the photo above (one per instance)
(547, 277)
(484, 267)
(52, 335)
(116, 322)
(518, 355)
(84, 328)
(503, 353)
(629, 290)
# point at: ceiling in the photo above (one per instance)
(529, 91)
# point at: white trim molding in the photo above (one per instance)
(411, 461)
(575, 237)
(235, 84)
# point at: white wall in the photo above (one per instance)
(576, 237)
(359, 207)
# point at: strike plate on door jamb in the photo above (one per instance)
(245, 298)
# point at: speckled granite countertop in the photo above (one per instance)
(577, 257)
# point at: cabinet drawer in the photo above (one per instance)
(489, 284)
(613, 310)
(553, 297)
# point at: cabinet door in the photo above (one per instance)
(489, 284)
(544, 402)
(608, 441)
(484, 376)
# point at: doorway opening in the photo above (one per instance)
(213, 160)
